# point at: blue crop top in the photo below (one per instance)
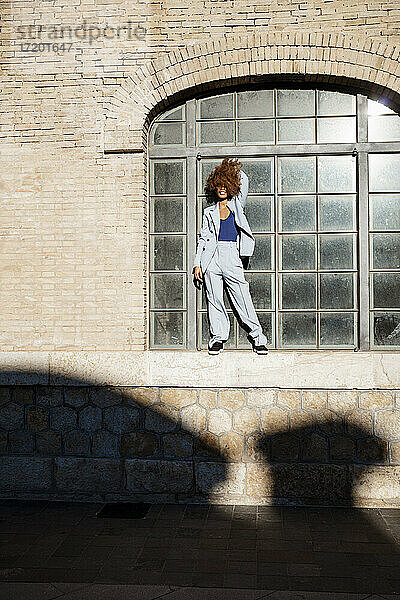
(227, 229)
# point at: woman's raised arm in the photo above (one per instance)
(244, 188)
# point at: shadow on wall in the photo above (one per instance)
(316, 462)
(76, 441)
(169, 448)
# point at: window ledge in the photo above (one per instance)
(242, 368)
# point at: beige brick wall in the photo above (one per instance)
(72, 229)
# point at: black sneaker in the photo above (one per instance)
(260, 349)
(216, 348)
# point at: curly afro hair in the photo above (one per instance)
(226, 174)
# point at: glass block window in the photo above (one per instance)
(169, 129)
(276, 116)
(383, 123)
(323, 205)
(167, 253)
(317, 250)
(384, 244)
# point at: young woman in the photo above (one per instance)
(225, 237)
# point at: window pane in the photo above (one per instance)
(384, 129)
(168, 178)
(337, 290)
(167, 328)
(337, 329)
(297, 252)
(336, 213)
(217, 107)
(296, 175)
(297, 329)
(259, 213)
(298, 290)
(166, 214)
(260, 175)
(336, 174)
(175, 114)
(384, 172)
(335, 103)
(340, 130)
(385, 251)
(296, 131)
(260, 285)
(378, 108)
(256, 103)
(262, 256)
(297, 213)
(385, 211)
(166, 290)
(336, 251)
(253, 132)
(292, 103)
(266, 323)
(386, 329)
(386, 290)
(164, 134)
(216, 132)
(166, 252)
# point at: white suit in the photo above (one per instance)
(220, 262)
(207, 242)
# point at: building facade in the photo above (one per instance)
(113, 117)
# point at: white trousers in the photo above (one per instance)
(226, 266)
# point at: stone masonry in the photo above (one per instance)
(247, 446)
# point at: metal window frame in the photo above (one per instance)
(361, 148)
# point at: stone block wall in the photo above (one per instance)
(235, 446)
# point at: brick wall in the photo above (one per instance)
(73, 219)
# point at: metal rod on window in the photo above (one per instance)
(362, 166)
(363, 206)
(191, 238)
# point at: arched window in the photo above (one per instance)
(324, 207)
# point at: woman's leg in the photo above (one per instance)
(217, 316)
(239, 293)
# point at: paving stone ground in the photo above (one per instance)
(52, 550)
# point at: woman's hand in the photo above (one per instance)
(198, 275)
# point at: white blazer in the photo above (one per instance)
(207, 241)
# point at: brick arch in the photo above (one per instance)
(346, 61)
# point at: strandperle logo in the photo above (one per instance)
(58, 35)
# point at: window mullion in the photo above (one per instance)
(363, 253)
(282, 150)
(191, 234)
(362, 118)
